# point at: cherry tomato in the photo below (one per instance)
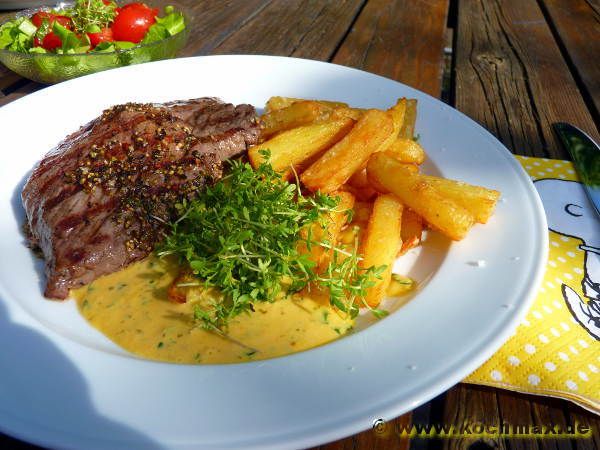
(132, 22)
(51, 41)
(106, 35)
(39, 17)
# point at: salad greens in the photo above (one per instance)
(88, 16)
(17, 35)
(170, 25)
(91, 15)
(242, 236)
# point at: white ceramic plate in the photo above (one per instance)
(65, 385)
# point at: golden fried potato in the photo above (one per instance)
(412, 230)
(389, 175)
(407, 129)
(275, 103)
(363, 194)
(338, 163)
(381, 242)
(407, 151)
(329, 233)
(359, 179)
(352, 113)
(293, 147)
(478, 200)
(397, 113)
(362, 211)
(295, 115)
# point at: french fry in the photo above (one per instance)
(397, 112)
(338, 163)
(407, 129)
(275, 103)
(359, 179)
(337, 220)
(295, 115)
(381, 243)
(362, 212)
(389, 175)
(478, 200)
(353, 113)
(359, 185)
(412, 230)
(363, 194)
(407, 151)
(291, 148)
(330, 232)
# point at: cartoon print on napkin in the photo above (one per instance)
(570, 213)
(554, 350)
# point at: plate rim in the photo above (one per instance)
(460, 368)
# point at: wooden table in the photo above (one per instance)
(514, 66)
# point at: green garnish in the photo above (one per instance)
(242, 236)
(89, 15)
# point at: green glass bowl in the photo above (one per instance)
(51, 68)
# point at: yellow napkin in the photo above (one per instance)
(555, 350)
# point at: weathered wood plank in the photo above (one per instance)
(27, 87)
(387, 439)
(550, 411)
(301, 28)
(583, 417)
(468, 405)
(401, 39)
(215, 20)
(577, 24)
(511, 77)
(515, 410)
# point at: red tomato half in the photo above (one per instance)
(51, 41)
(39, 17)
(132, 22)
(106, 35)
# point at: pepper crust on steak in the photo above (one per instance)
(101, 199)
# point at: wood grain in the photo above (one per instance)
(577, 415)
(300, 28)
(387, 440)
(401, 39)
(511, 77)
(577, 25)
(468, 405)
(550, 411)
(215, 20)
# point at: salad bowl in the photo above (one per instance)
(49, 67)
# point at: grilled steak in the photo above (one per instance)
(100, 200)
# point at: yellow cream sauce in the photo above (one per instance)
(132, 309)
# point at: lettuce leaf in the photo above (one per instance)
(17, 35)
(167, 26)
